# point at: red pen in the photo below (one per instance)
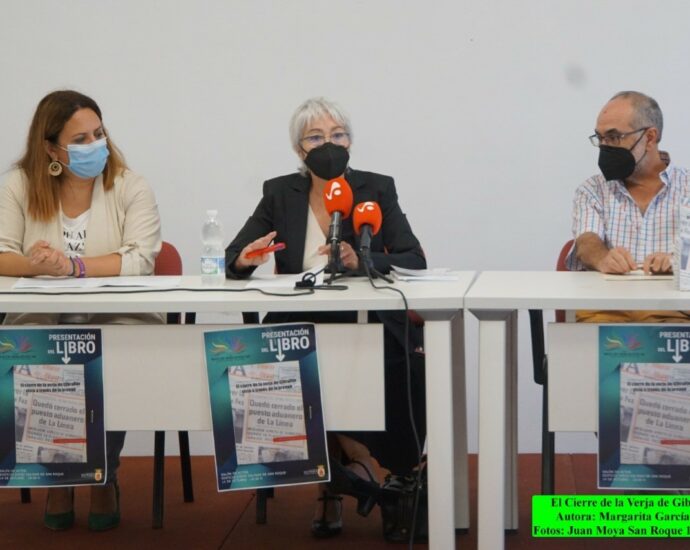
(272, 248)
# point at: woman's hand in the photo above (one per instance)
(49, 261)
(243, 263)
(347, 255)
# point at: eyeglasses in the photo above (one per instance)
(613, 138)
(317, 140)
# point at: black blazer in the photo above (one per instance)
(284, 208)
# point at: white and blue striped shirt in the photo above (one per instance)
(607, 209)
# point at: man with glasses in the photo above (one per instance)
(625, 218)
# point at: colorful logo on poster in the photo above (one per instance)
(619, 343)
(19, 344)
(227, 345)
(98, 475)
(321, 470)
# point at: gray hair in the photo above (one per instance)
(647, 110)
(309, 111)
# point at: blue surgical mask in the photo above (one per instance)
(88, 160)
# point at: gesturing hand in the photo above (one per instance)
(347, 255)
(242, 262)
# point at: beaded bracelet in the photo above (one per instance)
(82, 267)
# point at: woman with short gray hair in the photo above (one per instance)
(292, 210)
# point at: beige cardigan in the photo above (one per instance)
(124, 220)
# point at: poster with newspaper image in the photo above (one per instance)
(265, 394)
(644, 407)
(51, 408)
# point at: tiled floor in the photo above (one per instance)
(227, 521)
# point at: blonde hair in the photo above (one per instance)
(51, 115)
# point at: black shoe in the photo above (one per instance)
(322, 528)
(366, 491)
(62, 520)
(404, 508)
(109, 520)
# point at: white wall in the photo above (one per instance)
(480, 110)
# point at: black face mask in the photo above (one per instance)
(617, 163)
(327, 161)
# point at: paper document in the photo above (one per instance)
(434, 274)
(156, 281)
(52, 430)
(644, 407)
(41, 435)
(265, 396)
(636, 275)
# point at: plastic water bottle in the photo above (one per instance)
(213, 255)
(681, 256)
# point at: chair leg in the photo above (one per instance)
(158, 475)
(261, 504)
(25, 495)
(186, 467)
(548, 440)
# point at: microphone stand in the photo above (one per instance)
(369, 268)
(335, 264)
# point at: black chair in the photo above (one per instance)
(262, 495)
(541, 371)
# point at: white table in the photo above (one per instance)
(495, 298)
(439, 303)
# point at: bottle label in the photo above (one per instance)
(212, 265)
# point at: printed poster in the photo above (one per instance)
(644, 407)
(51, 408)
(265, 393)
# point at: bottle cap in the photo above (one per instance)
(211, 213)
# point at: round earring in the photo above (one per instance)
(55, 168)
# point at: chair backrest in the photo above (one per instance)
(560, 266)
(168, 261)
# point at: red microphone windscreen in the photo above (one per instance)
(367, 213)
(337, 196)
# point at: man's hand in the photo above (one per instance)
(658, 262)
(617, 260)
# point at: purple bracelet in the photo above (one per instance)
(82, 267)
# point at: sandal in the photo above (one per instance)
(366, 491)
(323, 528)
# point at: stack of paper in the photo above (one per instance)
(435, 274)
(155, 281)
(637, 275)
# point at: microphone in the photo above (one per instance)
(337, 197)
(366, 219)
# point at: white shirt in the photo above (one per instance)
(312, 260)
(74, 233)
(607, 209)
